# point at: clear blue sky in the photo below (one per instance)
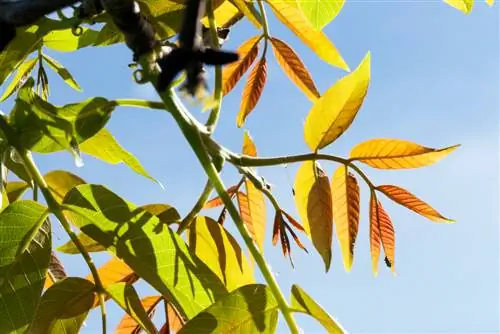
(435, 81)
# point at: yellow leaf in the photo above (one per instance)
(462, 5)
(345, 192)
(381, 231)
(397, 154)
(313, 199)
(244, 7)
(412, 202)
(334, 112)
(224, 14)
(249, 147)
(253, 212)
(294, 68)
(490, 2)
(291, 15)
(252, 91)
(232, 73)
(128, 325)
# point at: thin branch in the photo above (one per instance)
(207, 191)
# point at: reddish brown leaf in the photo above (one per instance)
(252, 91)
(217, 201)
(294, 68)
(295, 223)
(295, 237)
(381, 231)
(128, 325)
(278, 220)
(232, 73)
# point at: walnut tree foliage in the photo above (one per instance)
(202, 275)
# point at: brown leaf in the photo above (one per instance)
(252, 91)
(294, 68)
(232, 73)
(56, 271)
(278, 221)
(128, 325)
(412, 202)
(294, 222)
(381, 231)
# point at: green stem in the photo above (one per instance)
(194, 138)
(140, 103)
(265, 24)
(207, 191)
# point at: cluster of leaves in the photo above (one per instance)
(205, 281)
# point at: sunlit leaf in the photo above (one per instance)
(89, 244)
(175, 322)
(22, 283)
(66, 41)
(166, 213)
(217, 201)
(249, 147)
(335, 111)
(224, 15)
(313, 199)
(62, 72)
(22, 73)
(289, 13)
(397, 154)
(232, 73)
(345, 191)
(412, 202)
(114, 271)
(128, 325)
(126, 297)
(303, 303)
(15, 190)
(64, 306)
(490, 2)
(220, 251)
(60, 182)
(249, 309)
(105, 147)
(320, 12)
(161, 258)
(381, 232)
(245, 8)
(294, 68)
(252, 90)
(464, 6)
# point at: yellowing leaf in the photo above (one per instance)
(291, 15)
(462, 5)
(294, 68)
(412, 202)
(252, 91)
(313, 198)
(114, 271)
(249, 147)
(397, 154)
(224, 14)
(381, 231)
(232, 73)
(22, 73)
(128, 325)
(334, 112)
(345, 192)
(253, 212)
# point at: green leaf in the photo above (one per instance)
(23, 72)
(87, 242)
(64, 307)
(16, 190)
(62, 72)
(319, 12)
(126, 297)
(249, 309)
(46, 128)
(160, 257)
(221, 252)
(109, 35)
(21, 289)
(104, 146)
(166, 213)
(303, 303)
(65, 41)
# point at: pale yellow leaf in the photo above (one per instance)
(335, 111)
(345, 192)
(252, 91)
(397, 154)
(313, 199)
(294, 68)
(289, 13)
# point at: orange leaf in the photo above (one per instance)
(232, 73)
(217, 201)
(115, 271)
(249, 147)
(381, 231)
(252, 91)
(128, 325)
(294, 68)
(412, 202)
(253, 212)
(345, 199)
(313, 198)
(174, 320)
(397, 154)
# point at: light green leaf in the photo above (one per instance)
(104, 146)
(65, 41)
(87, 242)
(16, 189)
(319, 12)
(221, 252)
(23, 72)
(249, 309)
(21, 287)
(161, 258)
(62, 72)
(166, 213)
(64, 307)
(109, 35)
(303, 303)
(126, 297)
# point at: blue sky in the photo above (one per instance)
(435, 81)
